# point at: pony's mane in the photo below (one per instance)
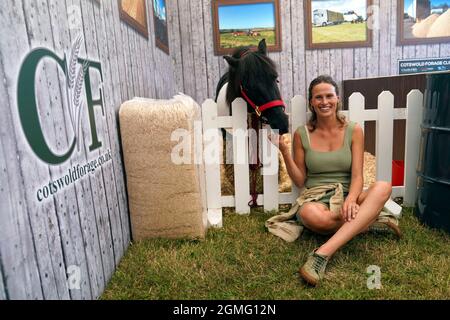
(253, 67)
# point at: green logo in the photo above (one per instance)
(76, 71)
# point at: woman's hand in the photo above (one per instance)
(280, 142)
(349, 209)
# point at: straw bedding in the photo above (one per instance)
(165, 199)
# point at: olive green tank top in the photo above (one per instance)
(325, 167)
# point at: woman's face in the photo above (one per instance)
(324, 100)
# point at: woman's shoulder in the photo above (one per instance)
(352, 126)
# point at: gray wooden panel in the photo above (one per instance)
(115, 139)
(384, 45)
(198, 51)
(360, 62)
(3, 293)
(109, 129)
(373, 64)
(285, 66)
(20, 248)
(433, 51)
(396, 51)
(298, 49)
(104, 224)
(154, 59)
(175, 43)
(94, 272)
(186, 48)
(312, 68)
(112, 10)
(445, 50)
(212, 62)
(98, 255)
(66, 202)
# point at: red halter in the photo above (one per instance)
(260, 109)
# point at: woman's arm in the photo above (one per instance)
(295, 166)
(350, 206)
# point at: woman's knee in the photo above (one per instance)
(314, 217)
(383, 189)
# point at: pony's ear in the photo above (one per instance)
(262, 47)
(231, 61)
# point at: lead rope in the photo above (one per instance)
(255, 124)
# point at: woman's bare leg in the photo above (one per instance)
(370, 203)
(316, 217)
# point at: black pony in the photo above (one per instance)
(252, 76)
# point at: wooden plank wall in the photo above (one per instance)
(198, 70)
(85, 225)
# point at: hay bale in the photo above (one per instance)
(420, 29)
(227, 175)
(369, 169)
(440, 27)
(165, 199)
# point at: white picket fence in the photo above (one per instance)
(271, 199)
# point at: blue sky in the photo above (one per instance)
(247, 16)
(433, 2)
(160, 6)
(343, 6)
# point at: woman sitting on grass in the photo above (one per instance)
(328, 156)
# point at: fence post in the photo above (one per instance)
(298, 118)
(414, 113)
(211, 152)
(269, 171)
(384, 136)
(240, 156)
(356, 106)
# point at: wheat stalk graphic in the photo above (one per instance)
(74, 86)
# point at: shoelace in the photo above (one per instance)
(319, 263)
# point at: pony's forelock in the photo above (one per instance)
(253, 66)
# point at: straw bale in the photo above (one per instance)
(440, 27)
(166, 200)
(420, 29)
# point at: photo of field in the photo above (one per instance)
(338, 21)
(239, 38)
(426, 19)
(340, 33)
(246, 24)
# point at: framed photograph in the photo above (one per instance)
(134, 13)
(245, 22)
(160, 19)
(337, 24)
(423, 21)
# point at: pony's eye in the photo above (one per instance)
(278, 81)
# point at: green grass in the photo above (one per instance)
(243, 261)
(228, 41)
(339, 33)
